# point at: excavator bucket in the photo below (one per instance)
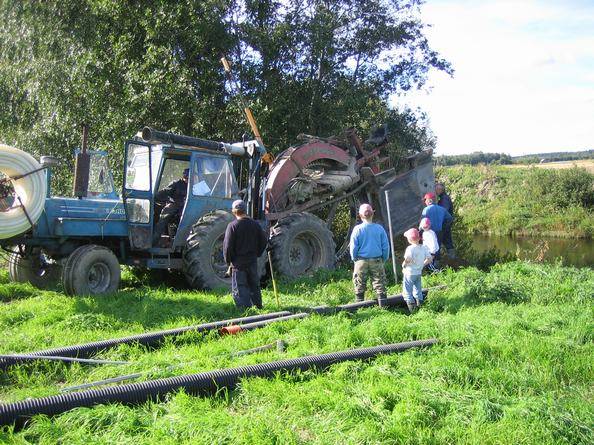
(401, 198)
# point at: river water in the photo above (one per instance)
(572, 252)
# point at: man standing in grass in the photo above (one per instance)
(244, 242)
(369, 250)
(444, 200)
(436, 214)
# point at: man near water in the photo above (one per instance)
(244, 242)
(369, 249)
(444, 200)
(436, 214)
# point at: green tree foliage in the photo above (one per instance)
(478, 157)
(306, 66)
(554, 157)
(474, 158)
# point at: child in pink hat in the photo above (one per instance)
(416, 256)
(429, 239)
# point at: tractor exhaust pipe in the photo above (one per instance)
(82, 166)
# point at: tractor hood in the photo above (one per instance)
(85, 217)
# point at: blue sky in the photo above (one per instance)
(524, 79)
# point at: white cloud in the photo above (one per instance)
(524, 78)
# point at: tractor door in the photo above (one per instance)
(142, 164)
(212, 186)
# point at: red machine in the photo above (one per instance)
(312, 185)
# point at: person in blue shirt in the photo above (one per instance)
(369, 250)
(436, 214)
(444, 200)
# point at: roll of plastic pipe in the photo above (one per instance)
(31, 189)
(204, 383)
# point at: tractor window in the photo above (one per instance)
(172, 171)
(137, 166)
(100, 179)
(213, 176)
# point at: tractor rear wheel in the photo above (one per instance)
(91, 270)
(301, 243)
(35, 269)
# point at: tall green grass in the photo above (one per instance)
(513, 365)
(506, 201)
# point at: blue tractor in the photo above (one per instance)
(307, 199)
(84, 239)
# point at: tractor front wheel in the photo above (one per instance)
(36, 269)
(301, 243)
(91, 270)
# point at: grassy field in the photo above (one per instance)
(514, 364)
(522, 201)
(587, 164)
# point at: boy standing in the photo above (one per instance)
(430, 240)
(369, 250)
(416, 256)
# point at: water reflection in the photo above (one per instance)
(573, 252)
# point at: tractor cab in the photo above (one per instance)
(168, 187)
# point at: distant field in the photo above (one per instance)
(588, 164)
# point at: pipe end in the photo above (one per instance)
(230, 330)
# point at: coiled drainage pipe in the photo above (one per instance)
(204, 383)
(154, 338)
(147, 339)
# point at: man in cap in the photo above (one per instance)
(444, 200)
(369, 250)
(174, 197)
(244, 242)
(436, 214)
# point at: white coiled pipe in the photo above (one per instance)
(31, 189)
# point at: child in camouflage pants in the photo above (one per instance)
(369, 250)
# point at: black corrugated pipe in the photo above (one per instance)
(147, 339)
(204, 383)
(395, 301)
(155, 338)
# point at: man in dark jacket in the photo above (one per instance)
(174, 197)
(445, 201)
(244, 242)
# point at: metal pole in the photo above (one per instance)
(391, 236)
(65, 359)
(273, 280)
(279, 345)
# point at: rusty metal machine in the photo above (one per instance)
(330, 177)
